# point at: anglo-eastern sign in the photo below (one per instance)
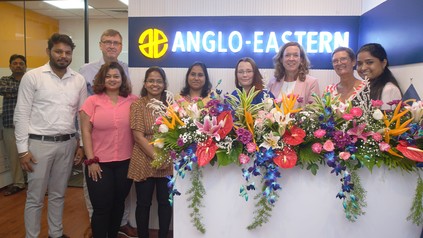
(221, 41)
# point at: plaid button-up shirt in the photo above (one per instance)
(9, 90)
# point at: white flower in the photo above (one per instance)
(377, 114)
(416, 110)
(163, 128)
(159, 143)
(270, 140)
(268, 104)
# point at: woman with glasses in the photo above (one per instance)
(291, 74)
(372, 63)
(247, 76)
(108, 144)
(343, 61)
(197, 83)
(147, 178)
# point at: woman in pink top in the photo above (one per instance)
(108, 144)
(291, 74)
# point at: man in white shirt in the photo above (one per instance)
(49, 98)
(111, 47)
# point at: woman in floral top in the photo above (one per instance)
(146, 177)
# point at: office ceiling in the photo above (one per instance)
(101, 9)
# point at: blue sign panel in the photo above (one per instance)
(221, 41)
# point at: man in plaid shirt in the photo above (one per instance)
(9, 86)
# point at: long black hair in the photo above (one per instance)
(377, 84)
(207, 84)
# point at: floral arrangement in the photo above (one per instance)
(262, 138)
(349, 136)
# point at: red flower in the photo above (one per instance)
(286, 158)
(411, 152)
(206, 151)
(294, 136)
(226, 118)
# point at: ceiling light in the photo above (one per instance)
(124, 2)
(68, 4)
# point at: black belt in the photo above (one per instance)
(58, 138)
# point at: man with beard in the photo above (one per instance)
(9, 86)
(111, 46)
(48, 101)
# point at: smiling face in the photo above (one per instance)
(111, 46)
(113, 80)
(154, 84)
(369, 66)
(245, 75)
(291, 59)
(343, 64)
(196, 78)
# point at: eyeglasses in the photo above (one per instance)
(340, 60)
(156, 81)
(244, 72)
(110, 43)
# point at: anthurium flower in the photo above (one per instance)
(328, 146)
(226, 123)
(317, 148)
(286, 158)
(206, 151)
(409, 151)
(210, 127)
(294, 136)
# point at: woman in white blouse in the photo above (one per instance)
(372, 63)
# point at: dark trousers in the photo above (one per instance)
(144, 196)
(107, 197)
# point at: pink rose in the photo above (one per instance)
(243, 158)
(383, 146)
(344, 155)
(356, 112)
(328, 146)
(319, 133)
(251, 147)
(347, 116)
(316, 148)
(377, 103)
(158, 121)
(377, 137)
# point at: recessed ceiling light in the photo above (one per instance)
(68, 4)
(125, 2)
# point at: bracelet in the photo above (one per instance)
(94, 160)
(23, 155)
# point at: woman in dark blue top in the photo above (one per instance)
(248, 75)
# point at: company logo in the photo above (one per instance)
(153, 43)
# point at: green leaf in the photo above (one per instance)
(224, 159)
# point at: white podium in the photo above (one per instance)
(307, 206)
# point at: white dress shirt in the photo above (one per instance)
(47, 104)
